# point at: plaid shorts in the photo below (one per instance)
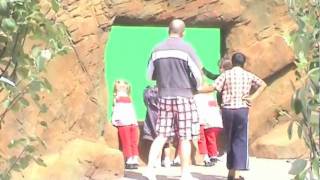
(178, 116)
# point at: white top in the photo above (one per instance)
(208, 110)
(123, 113)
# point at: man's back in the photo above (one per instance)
(175, 67)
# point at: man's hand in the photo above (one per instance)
(206, 88)
(248, 99)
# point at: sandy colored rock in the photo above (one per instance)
(276, 96)
(79, 159)
(111, 135)
(277, 145)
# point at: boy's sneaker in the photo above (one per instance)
(149, 174)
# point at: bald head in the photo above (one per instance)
(176, 27)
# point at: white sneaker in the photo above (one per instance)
(135, 160)
(149, 174)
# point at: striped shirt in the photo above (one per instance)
(234, 85)
(176, 68)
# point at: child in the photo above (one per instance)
(124, 118)
(210, 126)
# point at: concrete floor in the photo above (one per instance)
(260, 169)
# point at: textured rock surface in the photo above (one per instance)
(77, 105)
(276, 146)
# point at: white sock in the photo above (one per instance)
(206, 158)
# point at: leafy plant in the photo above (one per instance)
(28, 152)
(306, 100)
(21, 69)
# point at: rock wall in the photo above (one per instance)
(77, 105)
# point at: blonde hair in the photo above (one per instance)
(115, 90)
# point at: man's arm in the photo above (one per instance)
(206, 88)
(150, 69)
(216, 86)
(209, 74)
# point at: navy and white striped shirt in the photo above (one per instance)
(176, 68)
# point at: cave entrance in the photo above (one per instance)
(128, 49)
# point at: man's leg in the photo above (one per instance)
(227, 117)
(176, 161)
(185, 152)
(155, 150)
(240, 142)
(165, 156)
(188, 126)
(154, 153)
(164, 130)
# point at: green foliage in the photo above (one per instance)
(21, 70)
(22, 19)
(28, 147)
(306, 100)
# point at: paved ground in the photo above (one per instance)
(260, 169)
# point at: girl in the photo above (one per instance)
(210, 126)
(124, 118)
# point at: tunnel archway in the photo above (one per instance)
(128, 49)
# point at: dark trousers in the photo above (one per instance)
(235, 123)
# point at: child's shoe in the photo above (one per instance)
(214, 159)
(135, 161)
(131, 163)
(130, 166)
(208, 163)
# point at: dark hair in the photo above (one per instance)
(238, 59)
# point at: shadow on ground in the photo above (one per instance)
(138, 176)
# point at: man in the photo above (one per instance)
(176, 69)
(235, 85)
